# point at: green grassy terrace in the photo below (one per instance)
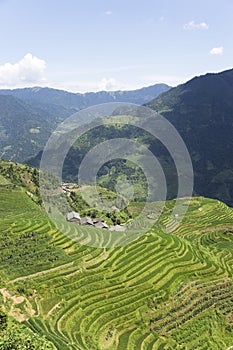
(162, 291)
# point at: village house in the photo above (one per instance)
(86, 221)
(73, 217)
(101, 224)
(96, 220)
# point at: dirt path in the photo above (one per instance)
(9, 295)
(15, 301)
(53, 308)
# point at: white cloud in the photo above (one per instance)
(108, 13)
(104, 84)
(217, 50)
(108, 84)
(111, 84)
(29, 70)
(194, 25)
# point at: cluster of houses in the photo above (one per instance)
(96, 222)
(87, 221)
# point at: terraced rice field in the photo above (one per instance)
(162, 291)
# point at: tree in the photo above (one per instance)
(3, 321)
(19, 338)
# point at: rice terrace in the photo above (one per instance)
(162, 291)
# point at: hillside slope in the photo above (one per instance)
(202, 111)
(162, 291)
(25, 128)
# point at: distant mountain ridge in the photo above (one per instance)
(79, 101)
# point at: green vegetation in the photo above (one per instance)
(162, 291)
(18, 122)
(22, 245)
(16, 337)
(13, 175)
(118, 170)
(4, 181)
(111, 216)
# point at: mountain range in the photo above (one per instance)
(79, 101)
(201, 110)
(28, 116)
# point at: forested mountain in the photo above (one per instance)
(202, 112)
(28, 116)
(25, 128)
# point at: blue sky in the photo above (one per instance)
(93, 45)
